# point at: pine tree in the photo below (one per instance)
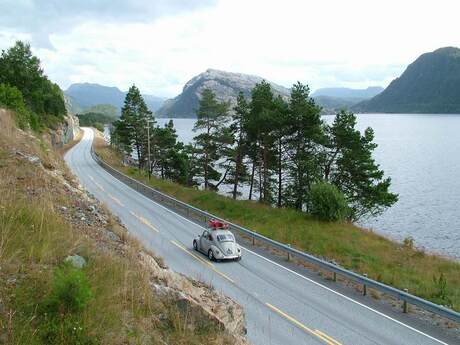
(237, 172)
(211, 117)
(131, 128)
(350, 166)
(260, 127)
(305, 137)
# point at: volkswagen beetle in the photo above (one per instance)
(218, 244)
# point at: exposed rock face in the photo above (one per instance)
(66, 132)
(197, 297)
(226, 86)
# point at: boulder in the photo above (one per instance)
(76, 261)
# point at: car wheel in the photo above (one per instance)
(211, 255)
(238, 258)
(195, 245)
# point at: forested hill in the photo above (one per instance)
(431, 84)
(85, 95)
(225, 85)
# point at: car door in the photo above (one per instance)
(204, 241)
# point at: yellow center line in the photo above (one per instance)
(203, 261)
(150, 225)
(97, 184)
(115, 199)
(332, 340)
(145, 221)
(302, 326)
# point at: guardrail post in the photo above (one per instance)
(253, 241)
(405, 306)
(334, 277)
(364, 286)
(289, 254)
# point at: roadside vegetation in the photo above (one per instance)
(402, 265)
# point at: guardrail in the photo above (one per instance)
(200, 215)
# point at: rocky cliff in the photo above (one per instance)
(226, 86)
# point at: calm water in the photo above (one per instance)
(421, 154)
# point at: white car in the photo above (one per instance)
(218, 244)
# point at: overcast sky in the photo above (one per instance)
(159, 45)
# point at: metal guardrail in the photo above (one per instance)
(193, 212)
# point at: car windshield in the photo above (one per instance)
(225, 238)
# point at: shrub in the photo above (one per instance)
(328, 202)
(11, 98)
(71, 291)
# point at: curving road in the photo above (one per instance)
(283, 304)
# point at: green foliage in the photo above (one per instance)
(429, 85)
(304, 139)
(11, 98)
(131, 129)
(21, 69)
(104, 109)
(70, 293)
(327, 202)
(211, 119)
(350, 166)
(280, 148)
(97, 120)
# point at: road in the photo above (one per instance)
(283, 304)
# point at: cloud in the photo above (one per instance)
(159, 46)
(44, 18)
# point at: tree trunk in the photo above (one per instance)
(237, 172)
(252, 179)
(280, 177)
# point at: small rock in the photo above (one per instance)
(76, 261)
(112, 236)
(63, 208)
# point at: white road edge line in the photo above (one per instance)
(289, 270)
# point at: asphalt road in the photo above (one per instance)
(283, 304)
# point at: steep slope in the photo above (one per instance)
(226, 86)
(72, 274)
(86, 95)
(431, 84)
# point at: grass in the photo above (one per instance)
(363, 251)
(35, 238)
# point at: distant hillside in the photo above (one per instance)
(334, 99)
(226, 86)
(86, 95)
(353, 94)
(331, 105)
(104, 109)
(431, 84)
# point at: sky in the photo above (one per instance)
(160, 45)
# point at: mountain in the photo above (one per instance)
(346, 93)
(431, 84)
(334, 99)
(86, 95)
(226, 86)
(331, 105)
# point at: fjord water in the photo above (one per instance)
(421, 153)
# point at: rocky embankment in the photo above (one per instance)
(32, 174)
